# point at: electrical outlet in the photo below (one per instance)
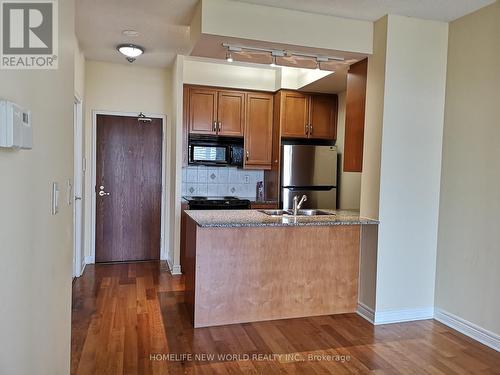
(247, 179)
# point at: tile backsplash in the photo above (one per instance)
(220, 181)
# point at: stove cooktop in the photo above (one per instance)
(217, 203)
(199, 198)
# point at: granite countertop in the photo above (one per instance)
(255, 218)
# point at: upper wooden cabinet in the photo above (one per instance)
(259, 131)
(231, 113)
(216, 112)
(202, 113)
(355, 116)
(295, 114)
(323, 116)
(308, 115)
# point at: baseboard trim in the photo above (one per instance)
(82, 269)
(365, 312)
(405, 315)
(472, 330)
(174, 269)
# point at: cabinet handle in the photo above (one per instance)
(214, 126)
(248, 155)
(219, 127)
(307, 129)
(310, 129)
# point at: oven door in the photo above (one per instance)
(209, 154)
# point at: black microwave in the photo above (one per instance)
(206, 152)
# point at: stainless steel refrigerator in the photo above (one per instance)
(310, 170)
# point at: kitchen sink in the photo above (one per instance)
(312, 213)
(277, 212)
(299, 213)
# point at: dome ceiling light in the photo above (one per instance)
(130, 51)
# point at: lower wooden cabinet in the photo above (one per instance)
(264, 205)
(258, 131)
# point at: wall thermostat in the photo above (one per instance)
(15, 126)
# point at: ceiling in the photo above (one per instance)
(163, 27)
(372, 10)
(164, 24)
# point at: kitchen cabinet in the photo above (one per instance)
(216, 112)
(202, 113)
(308, 115)
(258, 131)
(295, 114)
(230, 113)
(323, 117)
(264, 205)
(355, 116)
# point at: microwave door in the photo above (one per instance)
(208, 154)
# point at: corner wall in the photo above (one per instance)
(410, 171)
(37, 247)
(468, 258)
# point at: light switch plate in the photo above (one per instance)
(55, 198)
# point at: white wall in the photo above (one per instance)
(199, 71)
(36, 247)
(250, 21)
(207, 73)
(411, 163)
(176, 170)
(349, 190)
(79, 71)
(122, 88)
(468, 261)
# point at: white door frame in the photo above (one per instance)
(165, 177)
(76, 196)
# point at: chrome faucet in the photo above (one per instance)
(297, 204)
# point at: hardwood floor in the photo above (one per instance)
(130, 319)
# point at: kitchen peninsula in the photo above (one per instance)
(245, 265)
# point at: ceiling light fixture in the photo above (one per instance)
(284, 53)
(130, 51)
(274, 54)
(319, 60)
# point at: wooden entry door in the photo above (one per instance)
(128, 189)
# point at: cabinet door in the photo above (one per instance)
(231, 113)
(259, 131)
(355, 116)
(323, 122)
(202, 111)
(295, 114)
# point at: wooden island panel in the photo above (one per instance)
(247, 274)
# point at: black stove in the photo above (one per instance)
(217, 203)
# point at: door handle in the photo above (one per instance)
(78, 198)
(102, 193)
